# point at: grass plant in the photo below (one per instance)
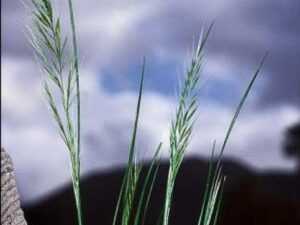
(62, 73)
(59, 62)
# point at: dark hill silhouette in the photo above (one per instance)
(249, 199)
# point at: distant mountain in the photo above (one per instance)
(249, 199)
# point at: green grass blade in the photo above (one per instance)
(219, 202)
(119, 199)
(214, 187)
(240, 106)
(149, 194)
(208, 185)
(128, 181)
(133, 140)
(129, 191)
(149, 181)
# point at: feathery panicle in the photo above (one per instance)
(182, 125)
(50, 48)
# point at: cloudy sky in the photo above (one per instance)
(113, 38)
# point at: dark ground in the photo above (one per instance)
(249, 198)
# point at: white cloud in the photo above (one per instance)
(256, 140)
(19, 86)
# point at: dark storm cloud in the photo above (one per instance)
(276, 28)
(244, 30)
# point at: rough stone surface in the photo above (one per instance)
(11, 212)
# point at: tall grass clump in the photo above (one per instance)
(59, 61)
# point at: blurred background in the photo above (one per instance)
(262, 158)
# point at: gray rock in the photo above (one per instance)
(11, 212)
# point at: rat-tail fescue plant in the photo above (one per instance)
(60, 64)
(180, 135)
(182, 124)
(59, 61)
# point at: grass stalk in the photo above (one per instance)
(50, 48)
(75, 58)
(182, 125)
